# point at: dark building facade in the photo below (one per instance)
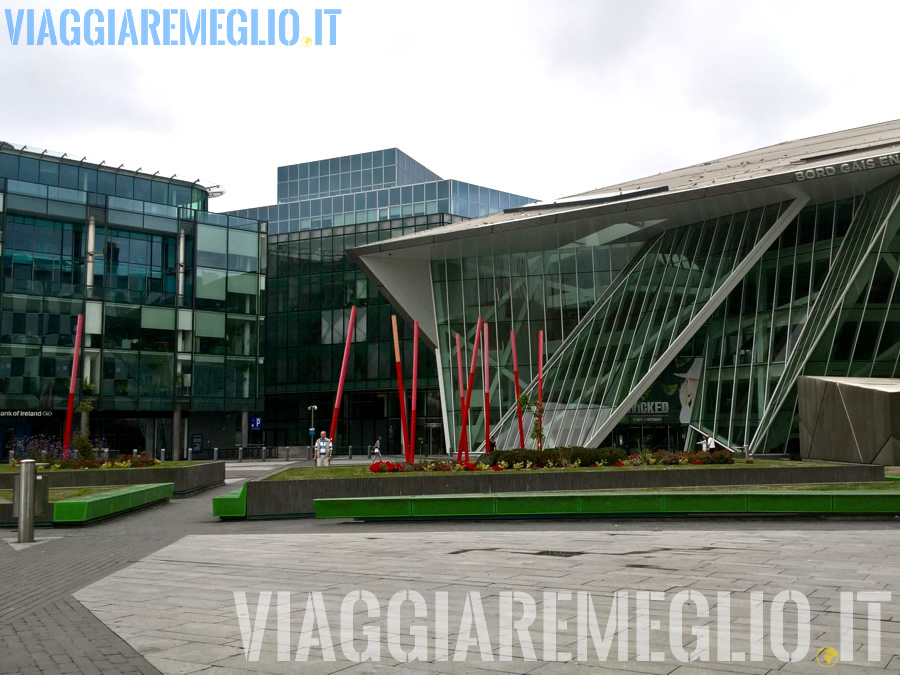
(325, 208)
(171, 296)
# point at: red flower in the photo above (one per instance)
(618, 463)
(696, 461)
(496, 468)
(469, 466)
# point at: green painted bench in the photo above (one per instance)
(232, 504)
(89, 508)
(589, 504)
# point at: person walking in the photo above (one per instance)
(323, 449)
(376, 449)
(710, 443)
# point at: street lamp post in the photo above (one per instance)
(312, 426)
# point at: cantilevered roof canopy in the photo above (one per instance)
(820, 168)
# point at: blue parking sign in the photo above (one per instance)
(256, 423)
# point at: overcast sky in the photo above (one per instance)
(536, 97)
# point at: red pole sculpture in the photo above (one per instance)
(462, 397)
(487, 390)
(340, 391)
(465, 416)
(404, 428)
(412, 417)
(512, 340)
(540, 399)
(67, 436)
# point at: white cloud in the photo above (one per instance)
(540, 98)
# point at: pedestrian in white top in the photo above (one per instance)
(376, 449)
(710, 444)
(323, 448)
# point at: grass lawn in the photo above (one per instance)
(362, 471)
(60, 494)
(8, 468)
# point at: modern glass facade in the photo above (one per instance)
(820, 301)
(325, 208)
(172, 298)
(676, 324)
(522, 291)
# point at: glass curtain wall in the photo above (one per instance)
(638, 319)
(758, 327)
(851, 330)
(521, 291)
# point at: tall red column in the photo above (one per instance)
(486, 350)
(463, 442)
(340, 391)
(540, 399)
(73, 380)
(512, 341)
(415, 390)
(403, 423)
(462, 397)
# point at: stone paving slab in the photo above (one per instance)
(176, 606)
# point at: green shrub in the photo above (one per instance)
(82, 445)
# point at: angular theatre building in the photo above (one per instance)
(684, 303)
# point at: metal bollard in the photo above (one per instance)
(264, 453)
(240, 453)
(215, 454)
(351, 453)
(134, 452)
(162, 454)
(190, 453)
(287, 453)
(25, 499)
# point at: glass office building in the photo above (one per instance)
(324, 209)
(684, 303)
(172, 298)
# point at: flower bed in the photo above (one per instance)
(560, 458)
(573, 458)
(123, 462)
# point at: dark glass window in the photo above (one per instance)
(9, 166)
(28, 169)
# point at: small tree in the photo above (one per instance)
(536, 409)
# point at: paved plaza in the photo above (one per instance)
(155, 591)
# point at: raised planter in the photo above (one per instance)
(186, 479)
(43, 512)
(284, 498)
(90, 508)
